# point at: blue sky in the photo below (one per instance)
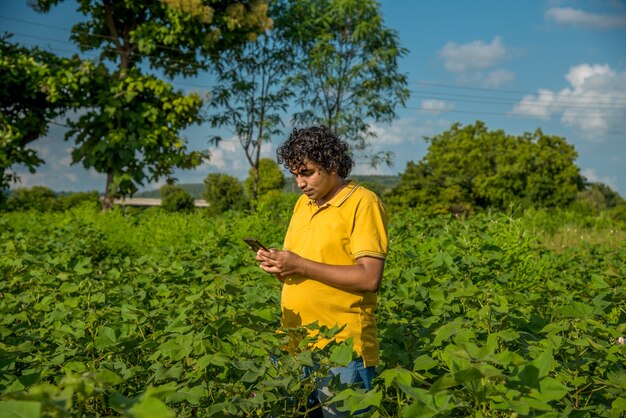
(558, 65)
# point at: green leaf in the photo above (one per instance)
(105, 338)
(448, 330)
(177, 347)
(538, 368)
(396, 376)
(192, 395)
(578, 310)
(266, 314)
(150, 407)
(427, 404)
(356, 400)
(551, 389)
(109, 377)
(20, 409)
(597, 282)
(342, 354)
(424, 362)
(444, 382)
(619, 404)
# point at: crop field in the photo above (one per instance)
(149, 314)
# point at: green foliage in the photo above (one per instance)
(131, 130)
(270, 177)
(618, 213)
(276, 205)
(74, 199)
(43, 199)
(176, 199)
(176, 36)
(469, 168)
(349, 74)
(253, 91)
(224, 192)
(380, 183)
(39, 198)
(137, 119)
(167, 314)
(194, 189)
(595, 198)
(27, 103)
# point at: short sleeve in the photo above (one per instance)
(370, 233)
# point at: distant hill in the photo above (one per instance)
(194, 189)
(378, 183)
(386, 182)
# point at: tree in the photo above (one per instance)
(253, 90)
(270, 177)
(28, 103)
(168, 35)
(596, 197)
(223, 192)
(176, 199)
(38, 198)
(130, 128)
(610, 198)
(471, 167)
(349, 75)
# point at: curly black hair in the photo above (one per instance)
(319, 145)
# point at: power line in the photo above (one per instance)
(534, 103)
(95, 35)
(538, 104)
(13, 19)
(513, 114)
(500, 91)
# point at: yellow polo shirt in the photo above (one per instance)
(352, 224)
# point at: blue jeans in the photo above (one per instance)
(354, 374)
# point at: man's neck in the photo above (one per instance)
(340, 184)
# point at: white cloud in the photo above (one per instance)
(405, 139)
(472, 62)
(229, 157)
(473, 56)
(498, 78)
(540, 106)
(594, 103)
(436, 106)
(568, 16)
(404, 131)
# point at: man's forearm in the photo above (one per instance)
(365, 276)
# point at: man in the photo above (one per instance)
(334, 250)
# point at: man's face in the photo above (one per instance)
(315, 182)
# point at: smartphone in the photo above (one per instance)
(254, 244)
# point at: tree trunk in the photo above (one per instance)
(107, 202)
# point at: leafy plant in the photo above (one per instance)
(176, 199)
(167, 314)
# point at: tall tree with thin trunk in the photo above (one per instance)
(349, 77)
(253, 89)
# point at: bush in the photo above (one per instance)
(277, 204)
(270, 178)
(224, 192)
(39, 198)
(618, 214)
(77, 199)
(176, 199)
